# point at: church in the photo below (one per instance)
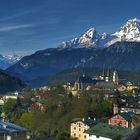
(104, 81)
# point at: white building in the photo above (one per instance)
(115, 78)
(6, 97)
(94, 137)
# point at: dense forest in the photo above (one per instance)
(9, 83)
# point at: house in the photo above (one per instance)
(136, 92)
(121, 88)
(103, 131)
(6, 97)
(132, 104)
(79, 126)
(1, 102)
(123, 119)
(131, 87)
(135, 110)
(9, 131)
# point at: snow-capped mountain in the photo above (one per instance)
(8, 60)
(89, 39)
(129, 32)
(12, 58)
(118, 53)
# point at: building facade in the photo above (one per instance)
(115, 78)
(121, 119)
(79, 126)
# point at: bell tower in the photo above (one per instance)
(107, 78)
(115, 78)
(116, 106)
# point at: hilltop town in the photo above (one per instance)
(101, 107)
(69, 70)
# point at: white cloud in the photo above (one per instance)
(15, 27)
(17, 15)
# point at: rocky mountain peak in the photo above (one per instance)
(130, 31)
(90, 38)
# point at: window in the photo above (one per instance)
(74, 135)
(97, 136)
(74, 128)
(79, 135)
(79, 129)
(85, 136)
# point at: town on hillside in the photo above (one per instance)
(103, 107)
(69, 69)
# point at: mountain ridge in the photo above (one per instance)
(119, 53)
(8, 60)
(130, 31)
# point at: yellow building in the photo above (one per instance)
(79, 126)
(131, 87)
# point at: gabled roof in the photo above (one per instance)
(126, 115)
(7, 127)
(87, 121)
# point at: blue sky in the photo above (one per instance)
(30, 25)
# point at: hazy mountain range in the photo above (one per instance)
(8, 60)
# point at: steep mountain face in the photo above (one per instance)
(121, 55)
(8, 60)
(9, 83)
(89, 39)
(49, 61)
(130, 31)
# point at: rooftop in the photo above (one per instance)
(127, 115)
(7, 127)
(84, 79)
(88, 121)
(108, 131)
(103, 84)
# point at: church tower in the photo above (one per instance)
(107, 78)
(102, 77)
(115, 78)
(116, 107)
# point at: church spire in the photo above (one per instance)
(107, 78)
(103, 73)
(108, 72)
